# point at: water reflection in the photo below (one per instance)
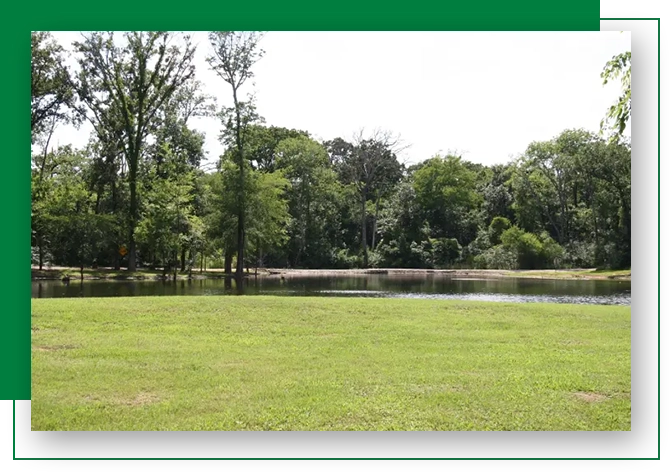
(607, 292)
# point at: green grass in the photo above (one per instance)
(289, 363)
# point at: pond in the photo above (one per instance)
(600, 292)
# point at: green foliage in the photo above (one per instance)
(263, 142)
(529, 250)
(497, 257)
(498, 225)
(445, 191)
(618, 115)
(265, 209)
(234, 54)
(577, 188)
(370, 166)
(267, 212)
(51, 87)
(551, 252)
(123, 88)
(402, 230)
(312, 197)
(64, 222)
(445, 252)
(168, 221)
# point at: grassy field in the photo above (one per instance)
(289, 363)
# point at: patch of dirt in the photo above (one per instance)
(434, 389)
(52, 348)
(590, 397)
(230, 364)
(143, 398)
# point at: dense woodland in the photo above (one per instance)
(138, 194)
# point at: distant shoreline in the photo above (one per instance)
(69, 273)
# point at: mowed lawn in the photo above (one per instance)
(293, 363)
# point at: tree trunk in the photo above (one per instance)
(241, 213)
(183, 259)
(376, 218)
(257, 257)
(364, 229)
(41, 251)
(133, 163)
(116, 257)
(228, 261)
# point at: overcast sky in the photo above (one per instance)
(485, 95)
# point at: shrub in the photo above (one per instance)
(579, 254)
(553, 253)
(445, 252)
(344, 259)
(498, 257)
(498, 225)
(532, 251)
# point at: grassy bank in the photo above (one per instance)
(144, 274)
(284, 363)
(74, 273)
(588, 274)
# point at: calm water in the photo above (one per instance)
(600, 292)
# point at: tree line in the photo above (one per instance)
(137, 194)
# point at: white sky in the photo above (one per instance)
(486, 95)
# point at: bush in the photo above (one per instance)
(579, 254)
(421, 254)
(532, 251)
(47, 259)
(344, 259)
(375, 259)
(498, 257)
(553, 253)
(498, 225)
(445, 252)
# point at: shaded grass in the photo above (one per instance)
(291, 363)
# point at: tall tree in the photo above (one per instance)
(234, 55)
(312, 199)
(50, 84)
(371, 165)
(445, 189)
(123, 88)
(263, 142)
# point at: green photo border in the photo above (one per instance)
(376, 15)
